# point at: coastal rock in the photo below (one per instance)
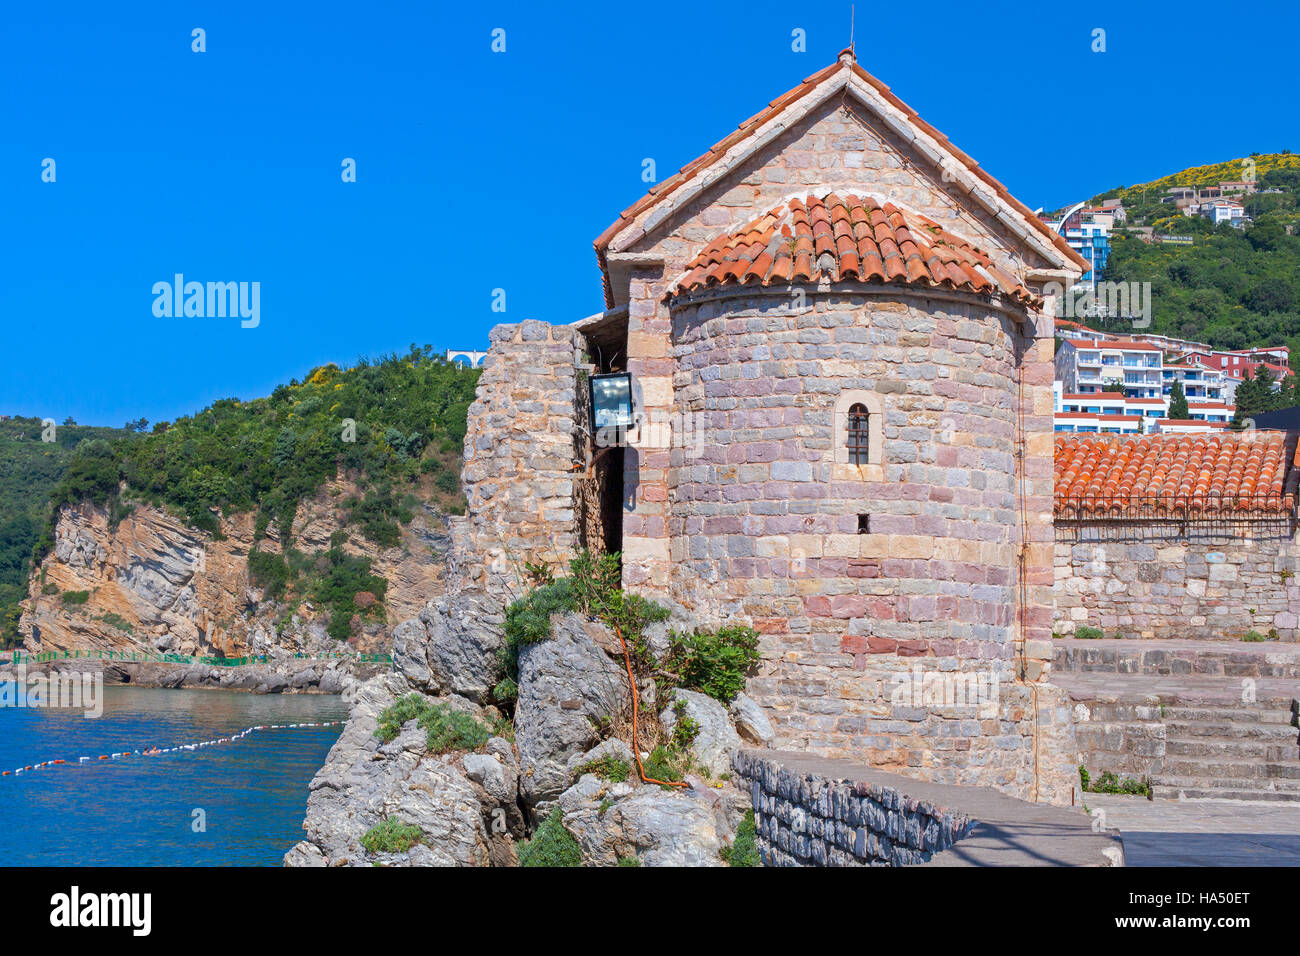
(156, 584)
(659, 827)
(452, 646)
(716, 739)
(570, 692)
(750, 721)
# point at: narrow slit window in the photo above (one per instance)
(859, 434)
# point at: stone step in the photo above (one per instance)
(1269, 784)
(1165, 658)
(1212, 769)
(1257, 749)
(1178, 729)
(1161, 792)
(1173, 713)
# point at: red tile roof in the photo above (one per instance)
(1099, 474)
(755, 122)
(844, 238)
(1127, 345)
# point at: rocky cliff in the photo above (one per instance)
(427, 772)
(152, 583)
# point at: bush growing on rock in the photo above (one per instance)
(551, 845)
(592, 588)
(607, 768)
(446, 729)
(711, 662)
(392, 836)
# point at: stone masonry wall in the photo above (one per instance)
(521, 446)
(805, 819)
(764, 525)
(1178, 588)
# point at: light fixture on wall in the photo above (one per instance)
(612, 409)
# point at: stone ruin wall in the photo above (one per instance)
(523, 474)
(1193, 588)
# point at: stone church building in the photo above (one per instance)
(841, 360)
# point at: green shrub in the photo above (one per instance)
(744, 850)
(446, 729)
(667, 762)
(392, 836)
(1253, 637)
(113, 619)
(551, 845)
(711, 662)
(607, 768)
(76, 597)
(1110, 782)
(629, 861)
(1085, 633)
(270, 572)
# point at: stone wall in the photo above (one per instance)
(805, 819)
(524, 456)
(858, 575)
(810, 811)
(1178, 588)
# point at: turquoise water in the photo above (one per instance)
(141, 811)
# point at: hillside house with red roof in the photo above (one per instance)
(841, 364)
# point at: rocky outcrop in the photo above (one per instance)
(453, 646)
(714, 738)
(473, 808)
(283, 673)
(570, 694)
(154, 584)
(366, 781)
(658, 827)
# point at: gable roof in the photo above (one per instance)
(847, 238)
(845, 67)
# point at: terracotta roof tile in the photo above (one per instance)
(1099, 474)
(844, 238)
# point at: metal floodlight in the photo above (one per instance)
(611, 406)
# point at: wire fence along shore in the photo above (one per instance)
(140, 657)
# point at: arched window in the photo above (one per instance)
(859, 434)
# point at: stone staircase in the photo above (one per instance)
(1200, 719)
(1241, 752)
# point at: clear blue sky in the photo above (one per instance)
(479, 171)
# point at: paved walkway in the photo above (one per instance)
(1201, 832)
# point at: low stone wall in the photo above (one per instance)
(1179, 589)
(811, 811)
(809, 820)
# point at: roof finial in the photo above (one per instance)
(847, 55)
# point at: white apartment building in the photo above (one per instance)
(1085, 367)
